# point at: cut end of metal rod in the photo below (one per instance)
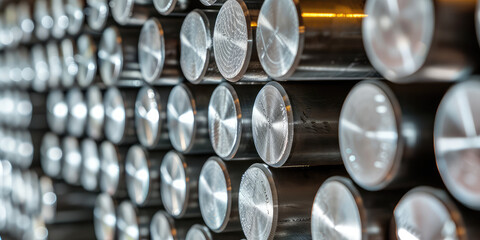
(369, 135)
(51, 155)
(279, 41)
(60, 19)
(165, 7)
(224, 121)
(25, 149)
(72, 160)
(86, 60)
(48, 200)
(198, 232)
(110, 55)
(208, 2)
(57, 112)
(110, 168)
(121, 10)
(456, 131)
(54, 64)
(42, 72)
(75, 15)
(232, 40)
(137, 174)
(147, 116)
(127, 225)
(257, 199)
(404, 54)
(115, 115)
(335, 212)
(195, 45)
(99, 11)
(77, 112)
(104, 217)
(174, 188)
(70, 67)
(426, 213)
(91, 164)
(95, 111)
(162, 227)
(151, 50)
(181, 118)
(214, 194)
(43, 20)
(272, 124)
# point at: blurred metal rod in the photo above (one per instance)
(86, 60)
(112, 176)
(175, 7)
(74, 10)
(54, 64)
(57, 111)
(51, 155)
(60, 19)
(95, 112)
(163, 226)
(77, 112)
(70, 67)
(315, 40)
(133, 223)
(98, 14)
(25, 11)
(71, 160)
(105, 218)
(90, 173)
(131, 12)
(43, 20)
(199, 231)
(40, 64)
(119, 107)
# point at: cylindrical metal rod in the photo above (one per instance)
(77, 112)
(179, 184)
(213, 2)
(18, 195)
(341, 210)
(163, 226)
(60, 19)
(25, 11)
(167, 7)
(98, 14)
(112, 176)
(95, 112)
(70, 67)
(54, 64)
(48, 199)
(429, 213)
(40, 64)
(151, 117)
(233, 42)
(187, 118)
(313, 40)
(218, 187)
(435, 42)
(158, 50)
(28, 144)
(57, 111)
(119, 107)
(72, 160)
(74, 10)
(118, 57)
(456, 146)
(131, 12)
(6, 177)
(297, 123)
(386, 136)
(133, 223)
(26, 67)
(86, 60)
(230, 121)
(105, 218)
(197, 59)
(51, 155)
(33, 202)
(276, 202)
(142, 176)
(90, 174)
(43, 19)
(199, 231)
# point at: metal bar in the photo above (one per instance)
(51, 155)
(25, 21)
(105, 218)
(90, 173)
(86, 60)
(112, 177)
(131, 12)
(199, 231)
(70, 67)
(71, 160)
(119, 105)
(54, 64)
(132, 222)
(74, 10)
(98, 14)
(175, 7)
(43, 19)
(57, 111)
(60, 19)
(77, 112)
(163, 226)
(40, 64)
(95, 112)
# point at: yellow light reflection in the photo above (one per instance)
(334, 15)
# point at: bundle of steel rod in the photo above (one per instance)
(239, 119)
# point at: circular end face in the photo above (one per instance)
(232, 40)
(208, 2)
(51, 155)
(198, 232)
(104, 217)
(272, 124)
(110, 55)
(256, 203)
(456, 132)
(70, 67)
(151, 50)
(75, 15)
(368, 133)
(77, 112)
(162, 227)
(127, 224)
(335, 212)
(121, 10)
(24, 150)
(195, 46)
(57, 111)
(165, 7)
(137, 174)
(279, 41)
(91, 164)
(48, 199)
(96, 112)
(214, 194)
(115, 115)
(86, 60)
(423, 215)
(42, 72)
(72, 160)
(99, 11)
(110, 168)
(224, 121)
(181, 118)
(147, 116)
(174, 189)
(397, 35)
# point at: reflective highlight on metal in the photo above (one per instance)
(51, 155)
(119, 115)
(212, 2)
(57, 111)
(77, 112)
(187, 118)
(151, 117)
(165, 7)
(112, 159)
(25, 20)
(86, 60)
(60, 19)
(198, 232)
(456, 131)
(95, 112)
(43, 19)
(105, 218)
(48, 199)
(90, 165)
(40, 64)
(99, 11)
(54, 64)
(68, 50)
(164, 227)
(72, 160)
(130, 12)
(133, 223)
(197, 59)
(75, 15)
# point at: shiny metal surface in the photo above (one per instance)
(212, 2)
(25, 20)
(40, 64)
(68, 50)
(75, 15)
(99, 11)
(95, 112)
(77, 112)
(54, 64)
(57, 111)
(198, 232)
(112, 159)
(456, 131)
(48, 199)
(165, 7)
(164, 227)
(130, 12)
(43, 19)
(127, 225)
(51, 155)
(151, 117)
(196, 47)
(104, 217)
(187, 117)
(72, 160)
(60, 19)
(90, 165)
(233, 43)
(119, 115)
(86, 60)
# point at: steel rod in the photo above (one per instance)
(131, 12)
(43, 19)
(86, 60)
(199, 231)
(95, 112)
(51, 155)
(77, 112)
(71, 160)
(70, 67)
(132, 222)
(105, 218)
(54, 64)
(57, 111)
(163, 226)
(40, 64)
(175, 7)
(90, 173)
(112, 176)
(98, 14)
(60, 19)
(74, 10)
(119, 107)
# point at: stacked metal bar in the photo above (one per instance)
(239, 119)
